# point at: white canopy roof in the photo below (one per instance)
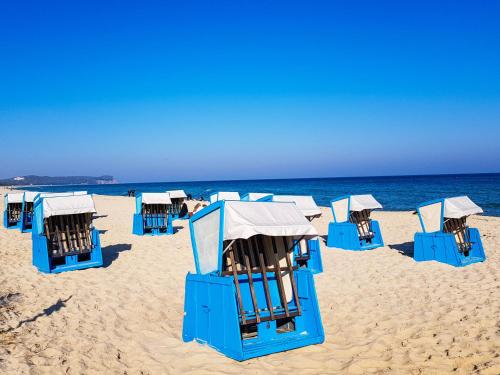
(257, 196)
(364, 202)
(156, 198)
(15, 198)
(225, 196)
(67, 205)
(29, 196)
(343, 206)
(305, 203)
(458, 207)
(174, 194)
(247, 219)
(62, 194)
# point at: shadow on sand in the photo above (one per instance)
(45, 312)
(405, 248)
(112, 252)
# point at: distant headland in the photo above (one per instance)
(63, 180)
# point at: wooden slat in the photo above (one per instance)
(68, 234)
(78, 233)
(277, 272)
(292, 278)
(250, 281)
(263, 271)
(278, 316)
(59, 242)
(257, 270)
(237, 284)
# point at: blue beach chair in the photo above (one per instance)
(63, 237)
(246, 298)
(352, 228)
(224, 196)
(152, 214)
(178, 198)
(446, 237)
(307, 252)
(13, 208)
(27, 211)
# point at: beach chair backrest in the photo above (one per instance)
(66, 221)
(13, 206)
(252, 241)
(268, 258)
(177, 197)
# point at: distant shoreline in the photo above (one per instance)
(268, 179)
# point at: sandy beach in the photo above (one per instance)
(382, 311)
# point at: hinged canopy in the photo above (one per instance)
(29, 196)
(14, 197)
(305, 203)
(156, 198)
(231, 220)
(247, 219)
(364, 202)
(225, 196)
(343, 206)
(67, 205)
(61, 194)
(176, 194)
(458, 207)
(433, 213)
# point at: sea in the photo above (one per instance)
(395, 193)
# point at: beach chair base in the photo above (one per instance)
(10, 225)
(47, 264)
(345, 236)
(139, 230)
(443, 248)
(26, 223)
(211, 317)
(314, 263)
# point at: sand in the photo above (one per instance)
(382, 312)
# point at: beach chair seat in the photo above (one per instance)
(352, 227)
(153, 214)
(13, 210)
(247, 297)
(63, 235)
(446, 237)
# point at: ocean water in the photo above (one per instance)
(395, 193)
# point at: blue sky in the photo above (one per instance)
(169, 91)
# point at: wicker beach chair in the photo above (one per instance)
(352, 227)
(63, 235)
(446, 236)
(247, 299)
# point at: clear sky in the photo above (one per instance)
(165, 91)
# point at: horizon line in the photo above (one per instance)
(267, 179)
